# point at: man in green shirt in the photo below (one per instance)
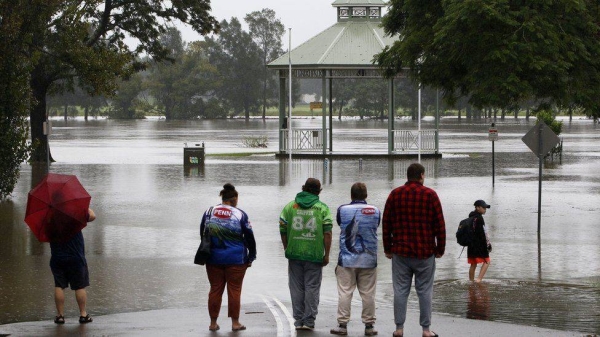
(305, 226)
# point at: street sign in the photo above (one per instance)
(47, 128)
(540, 139)
(316, 105)
(493, 134)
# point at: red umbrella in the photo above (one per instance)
(57, 208)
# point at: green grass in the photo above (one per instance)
(239, 154)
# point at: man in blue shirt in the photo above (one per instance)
(357, 262)
(69, 267)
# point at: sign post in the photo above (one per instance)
(493, 136)
(47, 130)
(540, 139)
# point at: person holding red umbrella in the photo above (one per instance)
(57, 211)
(69, 267)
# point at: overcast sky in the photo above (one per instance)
(307, 18)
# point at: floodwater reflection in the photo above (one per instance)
(141, 246)
(479, 303)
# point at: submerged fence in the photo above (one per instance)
(408, 141)
(303, 139)
(404, 141)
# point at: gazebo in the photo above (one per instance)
(343, 51)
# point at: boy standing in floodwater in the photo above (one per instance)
(479, 249)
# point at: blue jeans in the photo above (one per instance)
(403, 269)
(305, 286)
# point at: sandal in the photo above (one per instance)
(239, 328)
(60, 319)
(214, 328)
(85, 319)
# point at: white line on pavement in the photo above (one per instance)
(276, 315)
(289, 317)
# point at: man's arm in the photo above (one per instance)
(327, 237)
(284, 240)
(440, 227)
(91, 215)
(283, 228)
(386, 229)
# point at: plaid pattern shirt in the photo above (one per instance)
(413, 222)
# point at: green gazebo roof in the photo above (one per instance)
(350, 43)
(378, 3)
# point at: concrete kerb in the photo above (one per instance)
(263, 319)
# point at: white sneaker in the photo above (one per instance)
(370, 330)
(340, 330)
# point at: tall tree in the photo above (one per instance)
(182, 84)
(164, 74)
(238, 62)
(86, 40)
(499, 53)
(199, 83)
(266, 30)
(126, 100)
(14, 91)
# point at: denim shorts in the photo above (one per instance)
(70, 271)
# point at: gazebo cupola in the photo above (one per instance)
(345, 50)
(358, 10)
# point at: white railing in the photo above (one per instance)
(408, 141)
(303, 139)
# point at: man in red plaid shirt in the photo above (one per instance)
(414, 234)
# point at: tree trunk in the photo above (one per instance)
(265, 90)
(37, 117)
(86, 112)
(66, 112)
(247, 110)
(168, 112)
(570, 113)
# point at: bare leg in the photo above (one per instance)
(236, 325)
(398, 332)
(59, 300)
(472, 271)
(81, 297)
(484, 268)
(213, 324)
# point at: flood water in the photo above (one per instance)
(141, 246)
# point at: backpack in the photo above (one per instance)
(466, 231)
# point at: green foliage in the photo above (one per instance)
(238, 62)
(182, 86)
(127, 103)
(213, 109)
(87, 41)
(266, 31)
(14, 93)
(498, 53)
(547, 117)
(255, 141)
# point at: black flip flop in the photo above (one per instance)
(85, 319)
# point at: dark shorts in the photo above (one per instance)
(70, 271)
